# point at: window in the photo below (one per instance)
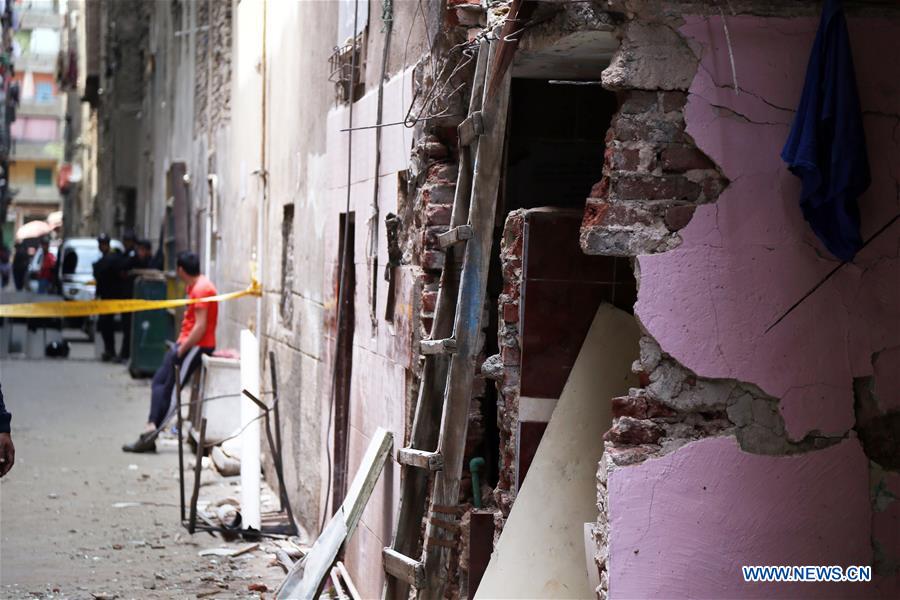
(43, 176)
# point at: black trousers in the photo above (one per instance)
(106, 325)
(163, 396)
(125, 353)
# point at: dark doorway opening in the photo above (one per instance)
(555, 142)
(344, 356)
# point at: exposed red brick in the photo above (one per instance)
(677, 159)
(640, 407)
(712, 187)
(429, 235)
(655, 188)
(432, 259)
(629, 128)
(442, 172)
(600, 189)
(429, 301)
(438, 214)
(626, 430)
(677, 217)
(637, 101)
(437, 193)
(510, 355)
(511, 313)
(670, 101)
(622, 159)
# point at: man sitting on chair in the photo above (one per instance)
(197, 337)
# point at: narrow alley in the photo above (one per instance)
(78, 518)
(450, 299)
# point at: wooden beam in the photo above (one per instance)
(430, 461)
(307, 576)
(403, 567)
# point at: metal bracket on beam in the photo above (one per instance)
(471, 127)
(431, 347)
(403, 567)
(455, 235)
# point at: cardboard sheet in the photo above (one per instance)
(541, 552)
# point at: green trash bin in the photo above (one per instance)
(151, 330)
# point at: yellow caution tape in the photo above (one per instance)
(84, 308)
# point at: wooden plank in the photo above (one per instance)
(432, 347)
(426, 421)
(468, 325)
(403, 567)
(423, 459)
(455, 236)
(348, 582)
(470, 129)
(336, 582)
(305, 579)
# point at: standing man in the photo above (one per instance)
(107, 274)
(48, 262)
(197, 337)
(20, 266)
(7, 450)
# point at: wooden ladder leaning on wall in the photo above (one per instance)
(431, 466)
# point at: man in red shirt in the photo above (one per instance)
(45, 274)
(197, 337)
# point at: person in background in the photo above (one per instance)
(7, 450)
(5, 269)
(143, 258)
(197, 337)
(129, 240)
(20, 266)
(110, 286)
(45, 275)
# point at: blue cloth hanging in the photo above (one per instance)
(826, 148)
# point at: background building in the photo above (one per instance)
(37, 133)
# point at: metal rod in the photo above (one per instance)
(420, 119)
(275, 455)
(180, 438)
(830, 274)
(198, 467)
(282, 492)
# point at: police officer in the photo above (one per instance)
(111, 278)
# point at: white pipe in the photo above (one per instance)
(250, 438)
(213, 182)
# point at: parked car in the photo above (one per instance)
(75, 271)
(34, 267)
(76, 267)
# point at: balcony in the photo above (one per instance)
(24, 150)
(32, 19)
(36, 63)
(35, 194)
(30, 108)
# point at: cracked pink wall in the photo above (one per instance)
(684, 524)
(750, 256)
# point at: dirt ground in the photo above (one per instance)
(79, 518)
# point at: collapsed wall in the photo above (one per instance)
(729, 411)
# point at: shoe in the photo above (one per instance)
(146, 442)
(107, 357)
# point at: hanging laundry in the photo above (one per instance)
(826, 148)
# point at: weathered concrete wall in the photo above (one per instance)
(699, 194)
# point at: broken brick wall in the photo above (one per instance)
(694, 188)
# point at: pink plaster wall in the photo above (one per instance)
(682, 525)
(750, 256)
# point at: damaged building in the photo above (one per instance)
(565, 231)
